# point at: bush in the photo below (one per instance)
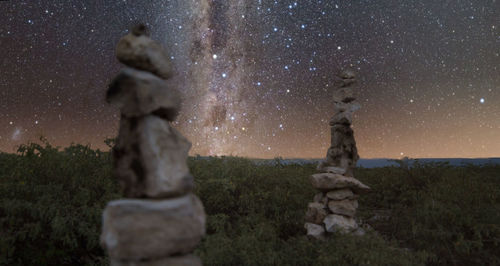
(51, 203)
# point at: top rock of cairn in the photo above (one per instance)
(138, 51)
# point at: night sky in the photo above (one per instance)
(257, 76)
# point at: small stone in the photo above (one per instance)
(186, 260)
(359, 232)
(334, 170)
(347, 74)
(138, 93)
(316, 212)
(341, 194)
(338, 223)
(329, 181)
(150, 159)
(139, 51)
(320, 198)
(344, 94)
(343, 207)
(135, 230)
(342, 118)
(346, 107)
(315, 231)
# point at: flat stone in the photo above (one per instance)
(343, 207)
(316, 212)
(186, 260)
(139, 51)
(315, 231)
(150, 159)
(341, 194)
(343, 94)
(338, 223)
(333, 170)
(137, 93)
(135, 229)
(346, 107)
(342, 118)
(329, 181)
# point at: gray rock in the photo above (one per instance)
(346, 107)
(343, 207)
(186, 260)
(347, 74)
(329, 181)
(138, 93)
(342, 118)
(135, 230)
(139, 51)
(341, 194)
(316, 212)
(338, 223)
(343, 94)
(315, 231)
(150, 159)
(320, 198)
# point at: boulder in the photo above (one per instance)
(343, 207)
(137, 93)
(329, 181)
(341, 194)
(137, 50)
(316, 212)
(315, 231)
(136, 229)
(186, 260)
(150, 159)
(338, 223)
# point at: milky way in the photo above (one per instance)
(257, 76)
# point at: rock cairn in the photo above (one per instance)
(335, 205)
(161, 221)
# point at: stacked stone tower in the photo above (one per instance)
(161, 221)
(335, 205)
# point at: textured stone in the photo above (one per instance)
(343, 207)
(321, 198)
(150, 159)
(346, 107)
(341, 194)
(329, 181)
(187, 260)
(138, 93)
(139, 51)
(135, 230)
(342, 118)
(343, 94)
(338, 223)
(316, 212)
(332, 169)
(315, 231)
(342, 136)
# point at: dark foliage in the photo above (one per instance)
(51, 202)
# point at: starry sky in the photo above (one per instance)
(257, 76)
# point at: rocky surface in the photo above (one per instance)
(135, 229)
(161, 222)
(138, 93)
(339, 189)
(137, 50)
(150, 159)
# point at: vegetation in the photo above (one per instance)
(51, 202)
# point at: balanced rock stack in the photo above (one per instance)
(160, 222)
(335, 205)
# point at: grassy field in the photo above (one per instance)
(430, 214)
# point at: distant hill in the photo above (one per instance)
(373, 163)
